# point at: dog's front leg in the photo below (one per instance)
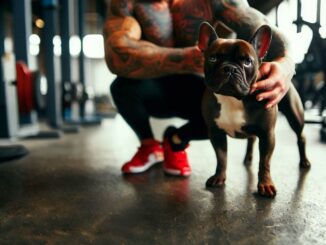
(249, 152)
(266, 147)
(219, 142)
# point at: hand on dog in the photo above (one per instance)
(274, 80)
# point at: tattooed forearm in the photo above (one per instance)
(141, 59)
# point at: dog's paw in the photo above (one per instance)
(216, 181)
(267, 189)
(304, 163)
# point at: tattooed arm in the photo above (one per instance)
(275, 74)
(129, 56)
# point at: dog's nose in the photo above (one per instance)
(228, 70)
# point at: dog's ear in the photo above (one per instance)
(207, 35)
(261, 40)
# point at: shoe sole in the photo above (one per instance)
(176, 172)
(152, 160)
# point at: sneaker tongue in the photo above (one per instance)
(178, 147)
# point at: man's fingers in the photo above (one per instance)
(263, 84)
(269, 76)
(273, 102)
(268, 95)
(266, 84)
(272, 96)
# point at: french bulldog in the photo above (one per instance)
(231, 68)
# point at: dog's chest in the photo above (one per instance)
(232, 115)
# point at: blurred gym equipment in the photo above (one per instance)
(313, 94)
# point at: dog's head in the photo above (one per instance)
(231, 65)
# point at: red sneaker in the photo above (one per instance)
(175, 162)
(147, 155)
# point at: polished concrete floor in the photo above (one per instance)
(71, 191)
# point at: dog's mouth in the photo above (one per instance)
(230, 85)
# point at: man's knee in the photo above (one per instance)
(127, 93)
(123, 89)
(116, 88)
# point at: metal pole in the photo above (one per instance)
(81, 33)
(299, 17)
(16, 125)
(3, 109)
(318, 11)
(2, 31)
(22, 26)
(22, 15)
(53, 94)
(66, 22)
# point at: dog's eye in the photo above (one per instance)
(212, 59)
(247, 61)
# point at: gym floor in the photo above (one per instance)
(71, 191)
